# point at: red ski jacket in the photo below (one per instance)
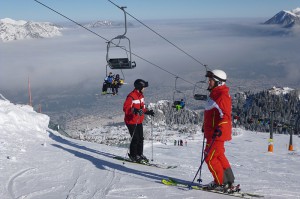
(217, 114)
(135, 99)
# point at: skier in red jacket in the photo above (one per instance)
(217, 126)
(134, 108)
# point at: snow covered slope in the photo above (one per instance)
(17, 30)
(36, 162)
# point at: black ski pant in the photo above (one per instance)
(106, 86)
(137, 142)
(115, 88)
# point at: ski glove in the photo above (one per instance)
(217, 133)
(138, 111)
(150, 112)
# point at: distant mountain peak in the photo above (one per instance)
(296, 11)
(286, 18)
(100, 23)
(11, 21)
(17, 30)
(106, 23)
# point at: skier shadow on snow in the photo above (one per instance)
(73, 144)
(100, 163)
(116, 124)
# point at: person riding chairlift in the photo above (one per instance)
(179, 104)
(116, 84)
(107, 83)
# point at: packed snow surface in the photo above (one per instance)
(36, 162)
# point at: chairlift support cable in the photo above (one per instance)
(70, 19)
(149, 62)
(162, 36)
(204, 65)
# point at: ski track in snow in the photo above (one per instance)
(110, 179)
(39, 193)
(76, 178)
(34, 194)
(10, 183)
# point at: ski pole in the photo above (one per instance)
(200, 180)
(151, 139)
(203, 161)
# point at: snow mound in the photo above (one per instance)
(21, 119)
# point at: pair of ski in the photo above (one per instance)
(233, 192)
(161, 166)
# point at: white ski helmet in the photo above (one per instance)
(217, 75)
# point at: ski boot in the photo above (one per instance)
(133, 158)
(231, 188)
(214, 186)
(144, 158)
(141, 160)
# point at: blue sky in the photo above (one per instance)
(143, 9)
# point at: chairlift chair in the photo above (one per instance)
(123, 62)
(200, 96)
(178, 96)
(177, 100)
(119, 63)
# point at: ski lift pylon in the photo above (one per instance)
(123, 62)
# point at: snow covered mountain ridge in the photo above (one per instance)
(106, 23)
(18, 30)
(280, 91)
(286, 18)
(98, 24)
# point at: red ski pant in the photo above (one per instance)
(216, 160)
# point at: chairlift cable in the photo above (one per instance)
(204, 65)
(151, 63)
(161, 36)
(71, 20)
